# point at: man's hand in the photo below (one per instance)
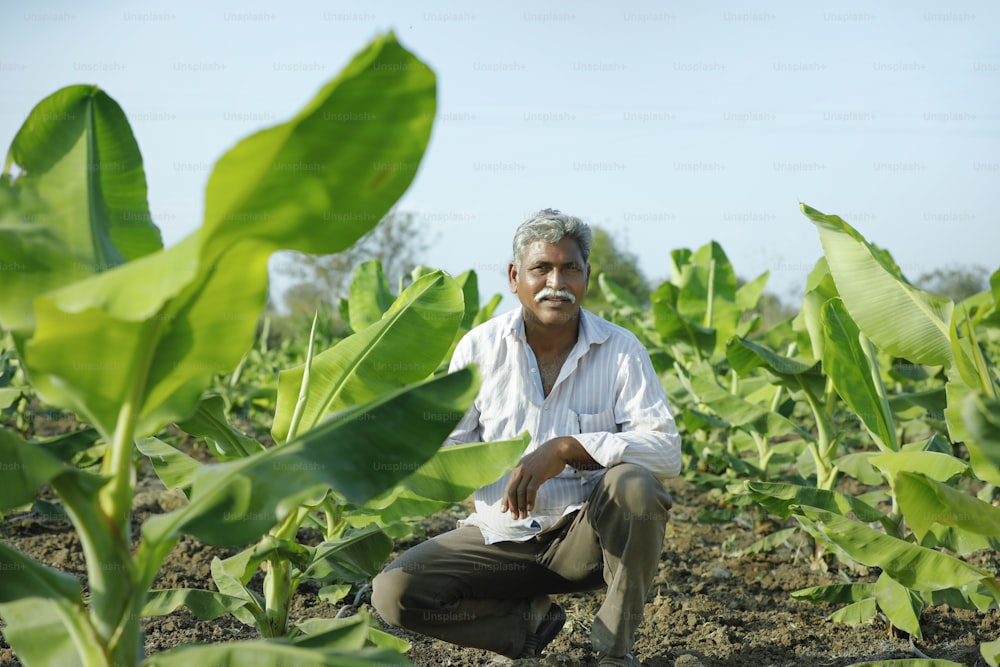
(539, 466)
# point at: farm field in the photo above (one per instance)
(707, 606)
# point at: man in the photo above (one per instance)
(583, 508)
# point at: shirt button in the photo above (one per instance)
(546, 407)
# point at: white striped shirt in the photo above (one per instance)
(607, 396)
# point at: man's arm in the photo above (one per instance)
(540, 465)
(648, 437)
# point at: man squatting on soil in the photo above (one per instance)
(583, 508)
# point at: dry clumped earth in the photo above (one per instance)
(707, 607)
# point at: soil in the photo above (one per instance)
(708, 606)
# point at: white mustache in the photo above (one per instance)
(548, 292)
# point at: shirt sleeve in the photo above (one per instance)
(468, 428)
(640, 427)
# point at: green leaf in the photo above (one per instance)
(206, 605)
(353, 558)
(901, 319)
(820, 288)
(849, 360)
(933, 464)
(334, 593)
(8, 395)
(857, 612)
(769, 542)
(746, 355)
(676, 328)
(237, 501)
(991, 652)
(403, 347)
(154, 331)
(342, 633)
(370, 295)
(26, 467)
(782, 499)
(272, 653)
(835, 593)
(616, 295)
(67, 446)
(748, 294)
(456, 471)
(925, 502)
(174, 468)
(344, 159)
(209, 421)
(46, 622)
(74, 201)
(917, 568)
(469, 284)
(899, 604)
(741, 412)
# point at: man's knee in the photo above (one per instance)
(388, 592)
(637, 493)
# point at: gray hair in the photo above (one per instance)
(552, 225)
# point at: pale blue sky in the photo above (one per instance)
(669, 123)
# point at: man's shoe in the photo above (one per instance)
(552, 623)
(628, 660)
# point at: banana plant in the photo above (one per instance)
(403, 347)
(128, 335)
(867, 302)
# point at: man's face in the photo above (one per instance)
(547, 268)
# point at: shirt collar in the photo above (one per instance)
(594, 330)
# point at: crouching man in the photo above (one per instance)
(584, 508)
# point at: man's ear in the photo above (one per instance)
(586, 288)
(512, 277)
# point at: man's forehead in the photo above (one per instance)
(567, 249)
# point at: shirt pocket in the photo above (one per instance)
(600, 422)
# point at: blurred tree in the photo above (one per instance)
(615, 261)
(772, 310)
(955, 282)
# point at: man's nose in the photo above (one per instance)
(556, 279)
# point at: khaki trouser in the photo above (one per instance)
(456, 588)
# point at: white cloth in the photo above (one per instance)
(607, 396)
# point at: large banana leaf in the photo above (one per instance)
(901, 605)
(458, 470)
(783, 499)
(850, 361)
(925, 502)
(404, 346)
(36, 601)
(370, 295)
(820, 288)
(151, 333)
(901, 319)
(935, 465)
(916, 567)
(741, 412)
(358, 453)
(72, 200)
(792, 372)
